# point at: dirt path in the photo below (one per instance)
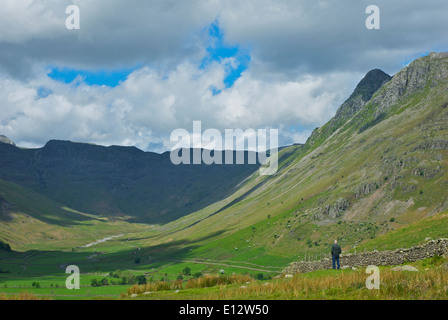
(226, 265)
(243, 262)
(101, 241)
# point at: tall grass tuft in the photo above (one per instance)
(155, 287)
(395, 285)
(207, 281)
(21, 296)
(430, 283)
(212, 281)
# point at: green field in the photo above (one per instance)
(166, 263)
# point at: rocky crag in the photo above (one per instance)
(6, 140)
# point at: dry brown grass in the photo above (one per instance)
(212, 281)
(155, 287)
(430, 283)
(395, 285)
(207, 281)
(21, 296)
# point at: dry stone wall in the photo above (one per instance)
(376, 258)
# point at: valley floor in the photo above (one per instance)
(430, 282)
(182, 270)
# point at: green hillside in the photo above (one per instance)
(374, 177)
(29, 220)
(369, 173)
(419, 232)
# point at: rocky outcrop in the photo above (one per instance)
(333, 211)
(429, 70)
(6, 140)
(363, 92)
(405, 268)
(433, 145)
(365, 189)
(374, 80)
(376, 258)
(428, 173)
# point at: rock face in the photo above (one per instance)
(373, 81)
(419, 91)
(433, 145)
(6, 140)
(427, 172)
(333, 211)
(384, 258)
(429, 70)
(383, 91)
(365, 189)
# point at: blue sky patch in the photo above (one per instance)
(218, 51)
(215, 91)
(108, 78)
(43, 92)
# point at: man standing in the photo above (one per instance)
(335, 252)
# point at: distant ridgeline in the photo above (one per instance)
(375, 258)
(6, 140)
(120, 181)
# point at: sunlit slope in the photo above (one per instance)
(29, 220)
(380, 168)
(386, 163)
(419, 232)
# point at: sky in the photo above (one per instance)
(137, 70)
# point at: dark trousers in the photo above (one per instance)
(336, 259)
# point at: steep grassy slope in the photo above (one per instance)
(383, 168)
(387, 163)
(375, 178)
(419, 232)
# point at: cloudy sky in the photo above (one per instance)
(136, 70)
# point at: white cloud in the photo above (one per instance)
(146, 107)
(306, 57)
(22, 20)
(287, 36)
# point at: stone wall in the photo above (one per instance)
(376, 258)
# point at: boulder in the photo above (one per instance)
(405, 268)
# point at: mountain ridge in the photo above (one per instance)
(363, 92)
(352, 185)
(348, 183)
(122, 181)
(6, 140)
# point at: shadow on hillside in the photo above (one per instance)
(40, 262)
(283, 164)
(118, 181)
(5, 215)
